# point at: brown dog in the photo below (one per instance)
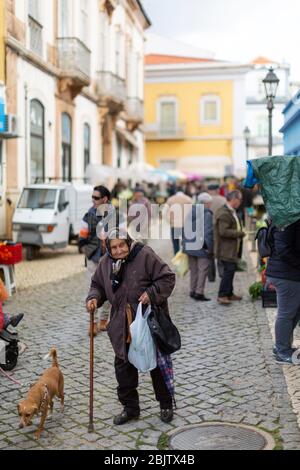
(40, 396)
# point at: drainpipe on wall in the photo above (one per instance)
(26, 133)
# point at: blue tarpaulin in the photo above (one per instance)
(250, 180)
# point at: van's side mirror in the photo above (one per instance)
(63, 206)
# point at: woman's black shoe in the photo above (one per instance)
(201, 297)
(15, 320)
(124, 417)
(166, 415)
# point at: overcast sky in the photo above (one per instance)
(234, 29)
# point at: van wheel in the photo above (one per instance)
(31, 252)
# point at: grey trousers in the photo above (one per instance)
(288, 316)
(199, 268)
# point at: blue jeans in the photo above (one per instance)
(288, 316)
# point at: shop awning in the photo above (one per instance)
(206, 166)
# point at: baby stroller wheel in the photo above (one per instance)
(12, 353)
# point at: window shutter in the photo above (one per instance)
(168, 116)
(210, 112)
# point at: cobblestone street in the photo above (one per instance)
(224, 372)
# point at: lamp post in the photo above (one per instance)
(247, 134)
(270, 82)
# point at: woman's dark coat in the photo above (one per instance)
(284, 263)
(145, 273)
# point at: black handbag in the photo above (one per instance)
(265, 240)
(90, 248)
(164, 333)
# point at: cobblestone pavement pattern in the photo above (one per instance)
(49, 266)
(224, 371)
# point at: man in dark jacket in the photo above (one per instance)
(89, 242)
(283, 272)
(228, 245)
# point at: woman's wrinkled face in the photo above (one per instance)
(119, 249)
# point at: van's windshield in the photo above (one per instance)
(38, 199)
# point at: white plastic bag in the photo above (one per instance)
(142, 350)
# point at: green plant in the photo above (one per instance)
(262, 268)
(255, 290)
(163, 442)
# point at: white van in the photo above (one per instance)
(49, 215)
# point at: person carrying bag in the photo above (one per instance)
(128, 275)
(142, 350)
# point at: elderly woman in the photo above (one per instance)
(128, 274)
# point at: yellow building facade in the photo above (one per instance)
(194, 115)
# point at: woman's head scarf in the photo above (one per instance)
(118, 265)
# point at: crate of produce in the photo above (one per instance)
(10, 253)
(269, 298)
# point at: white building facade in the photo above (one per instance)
(74, 81)
(256, 107)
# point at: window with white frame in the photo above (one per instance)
(260, 88)
(262, 126)
(139, 60)
(35, 27)
(86, 145)
(167, 115)
(167, 164)
(37, 141)
(64, 18)
(34, 9)
(104, 42)
(210, 109)
(84, 18)
(118, 52)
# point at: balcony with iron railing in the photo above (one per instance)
(74, 60)
(160, 132)
(135, 109)
(111, 87)
(35, 36)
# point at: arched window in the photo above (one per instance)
(87, 145)
(66, 147)
(37, 141)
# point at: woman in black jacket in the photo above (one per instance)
(283, 272)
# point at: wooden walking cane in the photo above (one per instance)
(91, 423)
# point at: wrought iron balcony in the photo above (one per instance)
(36, 36)
(74, 59)
(111, 87)
(159, 132)
(135, 109)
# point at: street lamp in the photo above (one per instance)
(270, 82)
(247, 134)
